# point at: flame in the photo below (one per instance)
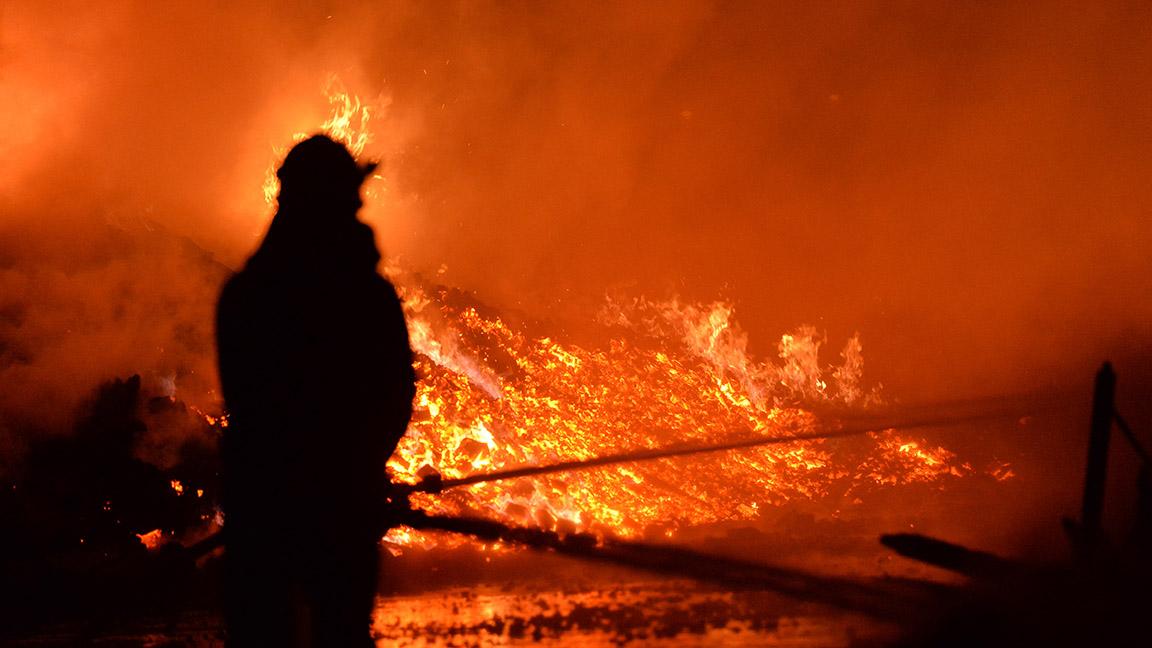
(1001, 471)
(904, 461)
(492, 396)
(349, 118)
(347, 123)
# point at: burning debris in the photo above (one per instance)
(89, 525)
(493, 396)
(91, 488)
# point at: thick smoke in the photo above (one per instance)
(965, 184)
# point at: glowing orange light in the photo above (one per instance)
(347, 123)
(152, 540)
(674, 373)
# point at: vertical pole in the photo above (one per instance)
(1142, 531)
(1096, 473)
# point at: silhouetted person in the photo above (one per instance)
(317, 374)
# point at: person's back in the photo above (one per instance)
(317, 376)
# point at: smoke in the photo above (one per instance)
(71, 318)
(964, 184)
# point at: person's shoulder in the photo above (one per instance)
(237, 291)
(237, 282)
(233, 285)
(386, 288)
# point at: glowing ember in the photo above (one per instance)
(902, 461)
(152, 540)
(214, 420)
(1001, 471)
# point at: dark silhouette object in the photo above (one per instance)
(950, 556)
(1095, 476)
(70, 552)
(317, 374)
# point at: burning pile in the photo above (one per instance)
(492, 397)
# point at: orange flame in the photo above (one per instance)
(347, 123)
(493, 397)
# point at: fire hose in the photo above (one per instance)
(891, 599)
(954, 414)
(853, 427)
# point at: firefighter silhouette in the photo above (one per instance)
(316, 371)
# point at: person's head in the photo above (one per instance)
(320, 173)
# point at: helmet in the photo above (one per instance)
(321, 165)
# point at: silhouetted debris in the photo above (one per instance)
(1100, 599)
(1043, 607)
(947, 555)
(72, 546)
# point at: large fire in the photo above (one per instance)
(492, 396)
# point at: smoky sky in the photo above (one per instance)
(964, 184)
